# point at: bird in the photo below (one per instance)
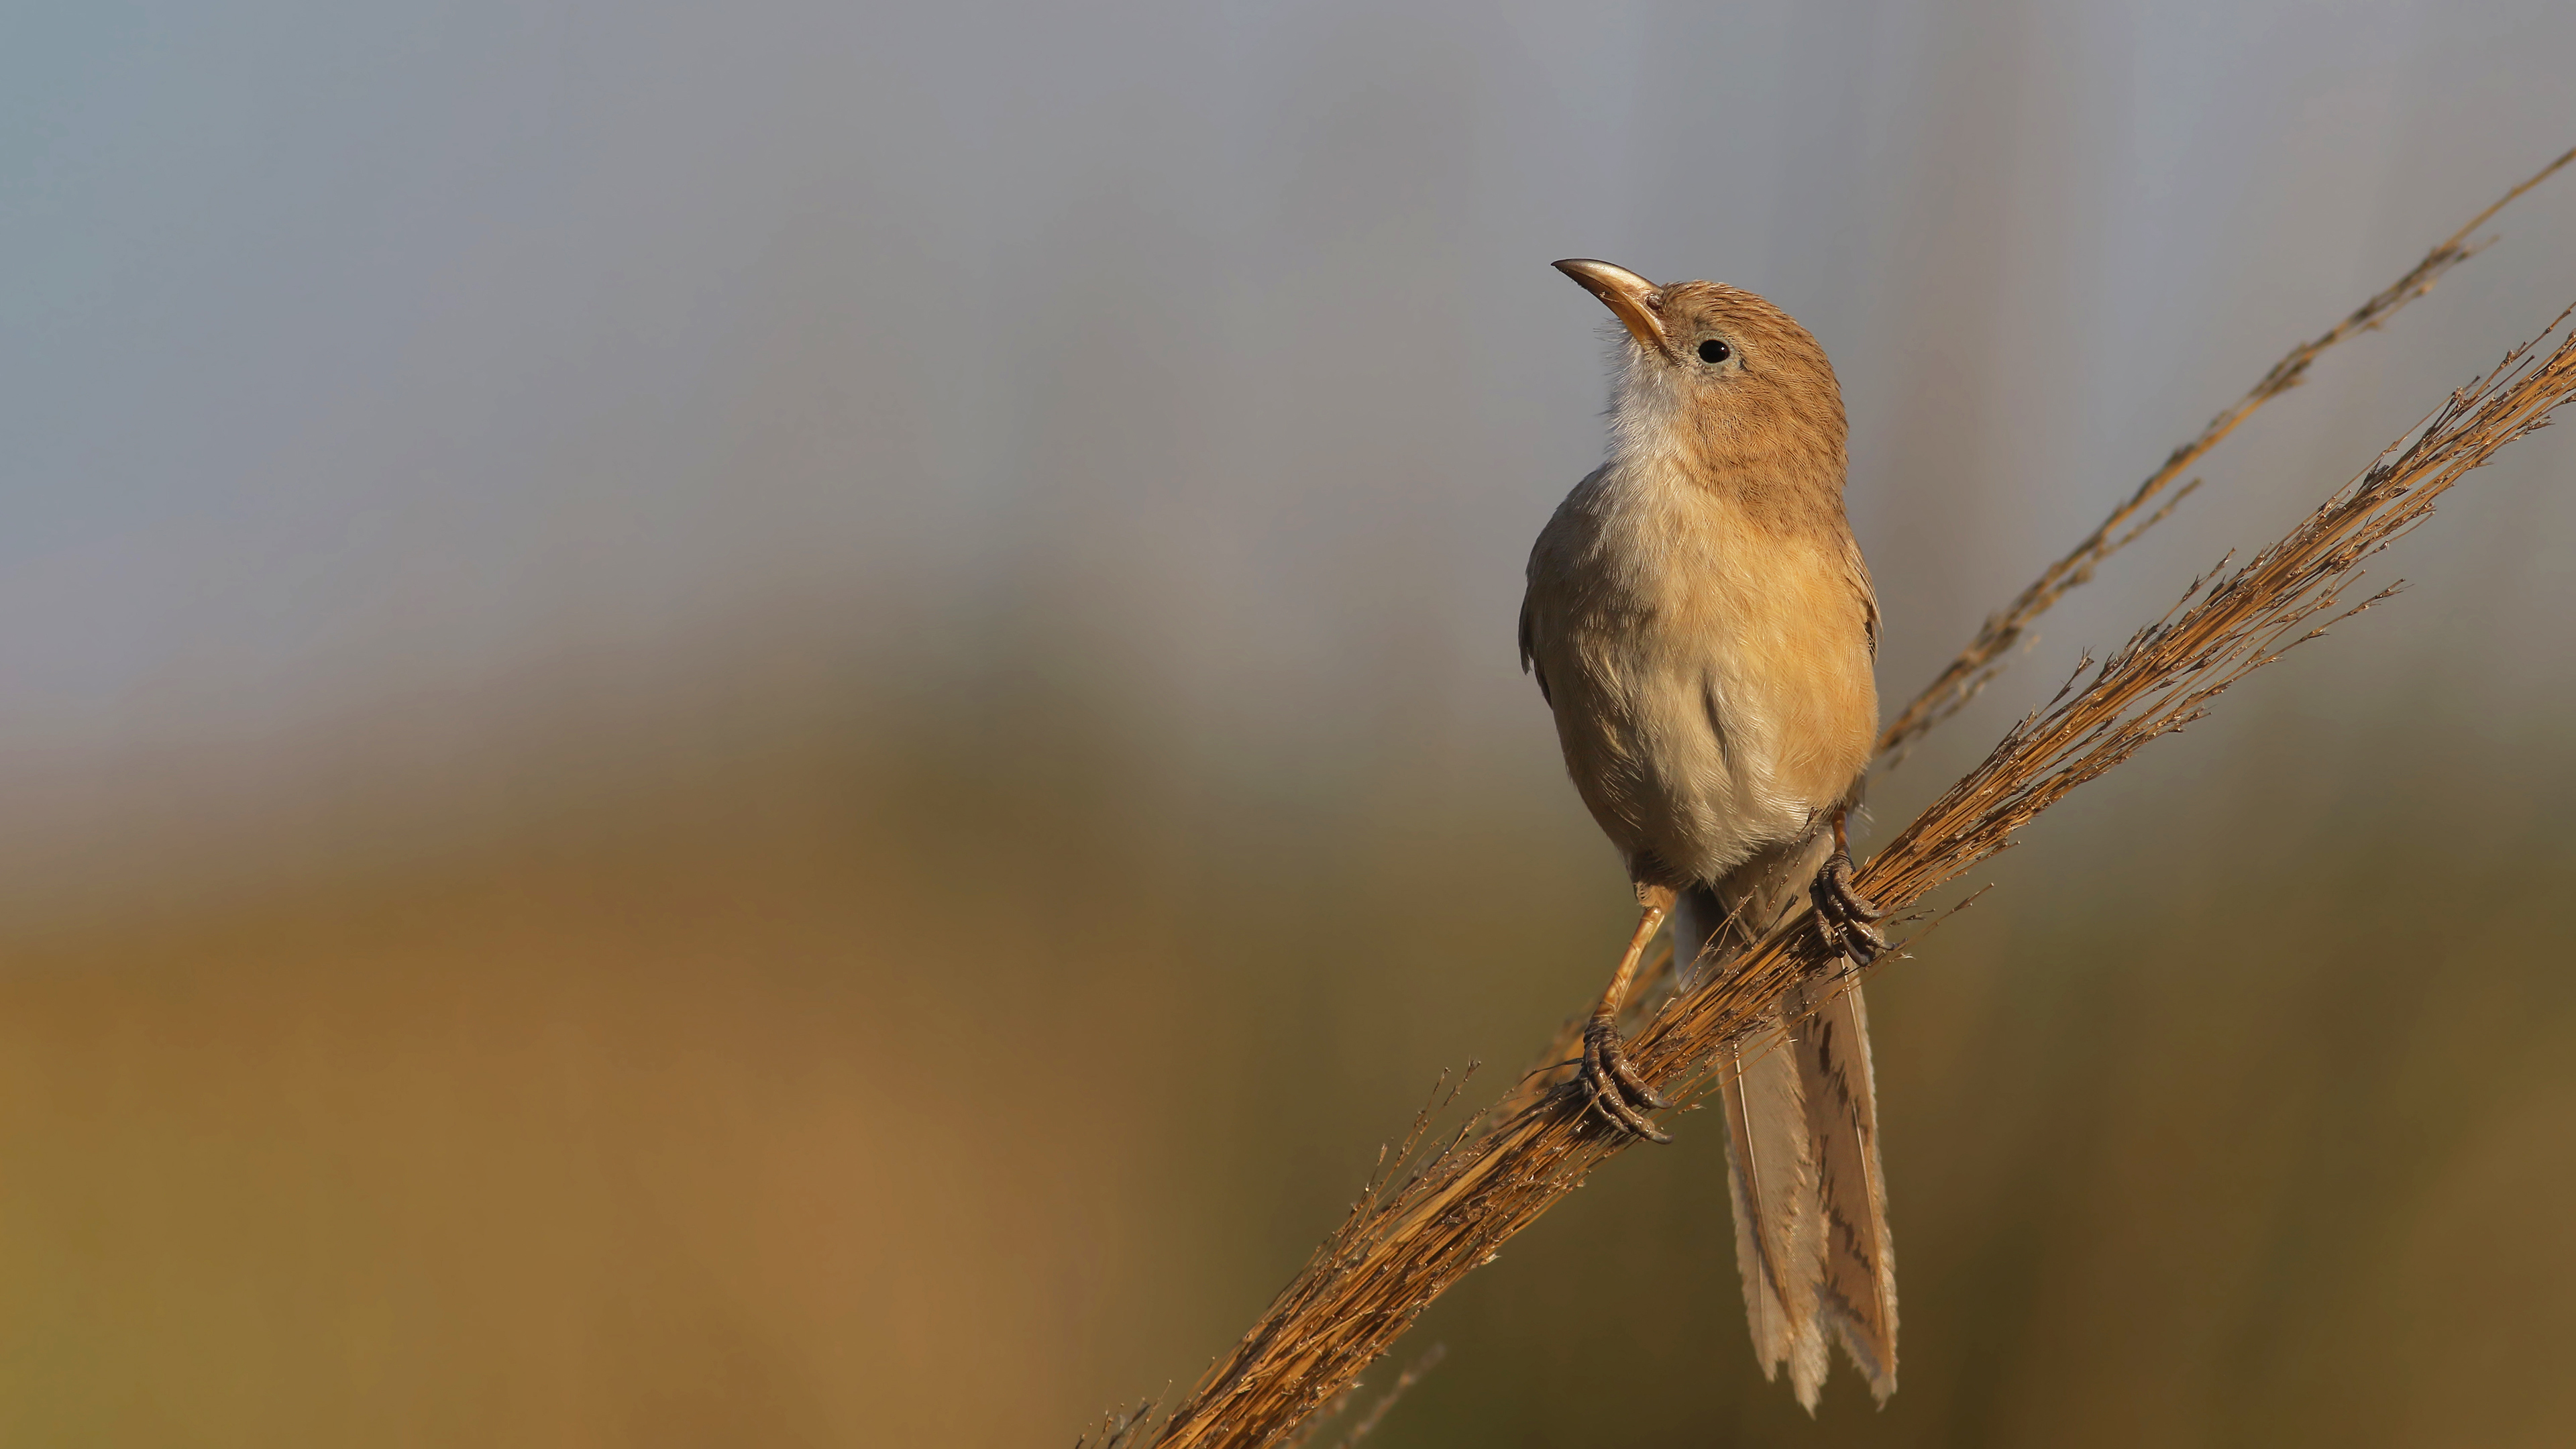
(1701, 623)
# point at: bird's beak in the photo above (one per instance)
(1623, 292)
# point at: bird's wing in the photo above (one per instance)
(1856, 569)
(1529, 653)
(1856, 1301)
(1546, 571)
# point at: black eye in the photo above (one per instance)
(1713, 351)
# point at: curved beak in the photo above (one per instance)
(1625, 293)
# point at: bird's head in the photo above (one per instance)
(1717, 378)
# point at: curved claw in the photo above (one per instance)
(1845, 917)
(1872, 941)
(1615, 1088)
(1836, 879)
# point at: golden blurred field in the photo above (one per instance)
(947, 1078)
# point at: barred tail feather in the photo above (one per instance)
(1771, 1176)
(1803, 1172)
(1856, 1298)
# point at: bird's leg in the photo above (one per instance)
(1614, 1085)
(1844, 917)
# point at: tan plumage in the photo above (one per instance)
(1701, 622)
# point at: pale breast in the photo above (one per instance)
(1711, 679)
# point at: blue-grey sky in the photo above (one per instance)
(405, 363)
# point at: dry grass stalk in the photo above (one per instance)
(1425, 1221)
(1977, 664)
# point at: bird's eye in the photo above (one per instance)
(1713, 352)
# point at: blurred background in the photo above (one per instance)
(794, 723)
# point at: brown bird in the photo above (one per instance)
(1701, 622)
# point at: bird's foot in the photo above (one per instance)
(1614, 1086)
(1844, 917)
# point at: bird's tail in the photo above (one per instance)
(1801, 1148)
